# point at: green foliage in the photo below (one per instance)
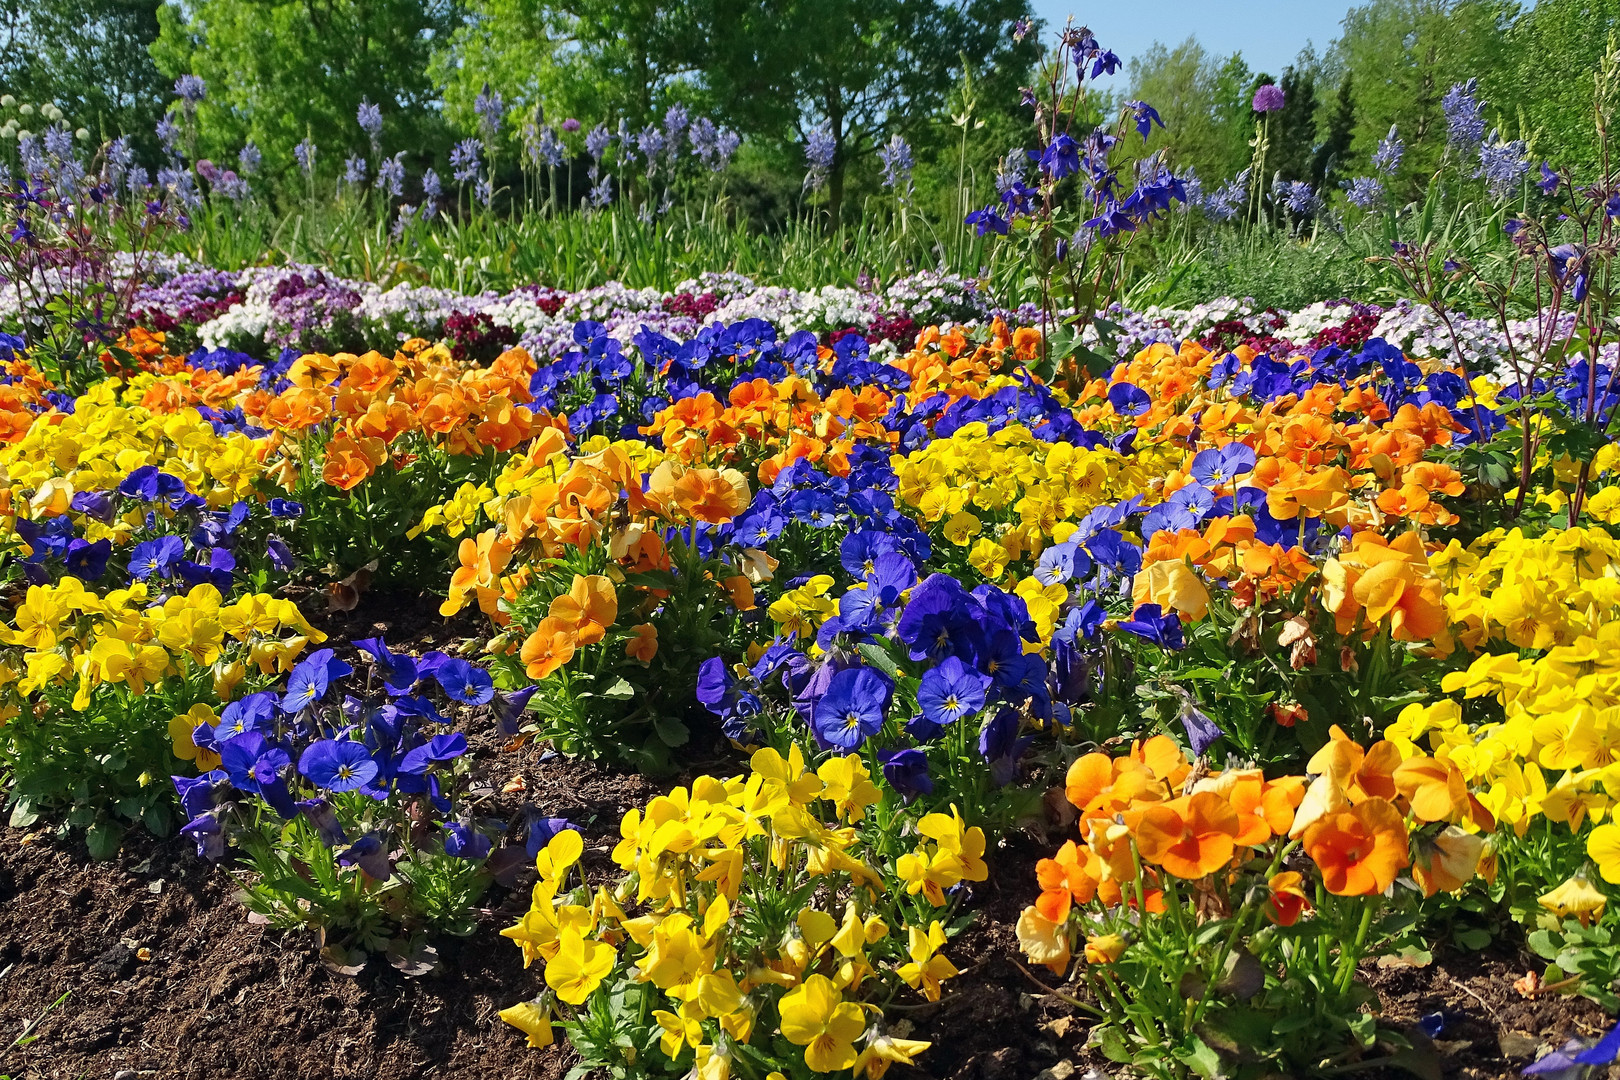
(1204, 100)
(278, 71)
(89, 57)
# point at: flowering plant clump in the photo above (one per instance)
(98, 691)
(759, 922)
(1217, 917)
(345, 807)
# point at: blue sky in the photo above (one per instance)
(1269, 33)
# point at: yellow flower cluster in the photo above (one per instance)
(1531, 593)
(1555, 754)
(64, 631)
(1024, 487)
(727, 876)
(102, 441)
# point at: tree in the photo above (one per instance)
(1293, 127)
(593, 59)
(865, 69)
(1204, 102)
(1332, 156)
(1554, 48)
(90, 58)
(1404, 55)
(278, 70)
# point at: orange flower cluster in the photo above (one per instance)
(21, 398)
(1225, 551)
(555, 503)
(788, 416)
(1361, 816)
(368, 402)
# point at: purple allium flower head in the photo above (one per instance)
(570, 125)
(1269, 98)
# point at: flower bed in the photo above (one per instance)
(1287, 633)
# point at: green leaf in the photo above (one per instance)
(23, 814)
(1111, 1041)
(620, 690)
(880, 658)
(1473, 939)
(1199, 1056)
(103, 839)
(671, 732)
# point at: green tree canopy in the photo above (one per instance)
(90, 58)
(278, 70)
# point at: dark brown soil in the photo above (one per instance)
(167, 978)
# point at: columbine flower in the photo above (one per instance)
(1269, 98)
(1145, 116)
